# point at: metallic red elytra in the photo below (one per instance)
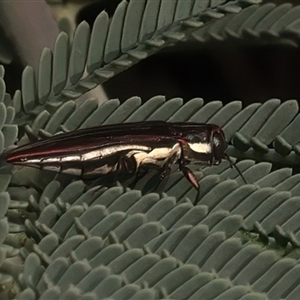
(127, 147)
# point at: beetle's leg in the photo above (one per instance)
(187, 172)
(165, 173)
(166, 166)
(190, 176)
(126, 164)
(133, 165)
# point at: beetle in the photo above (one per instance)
(127, 147)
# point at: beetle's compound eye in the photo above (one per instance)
(219, 146)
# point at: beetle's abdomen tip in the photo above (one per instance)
(9, 157)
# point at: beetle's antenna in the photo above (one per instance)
(233, 165)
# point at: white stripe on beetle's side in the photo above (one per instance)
(156, 155)
(200, 147)
(72, 171)
(102, 170)
(106, 151)
(54, 168)
(70, 158)
(49, 160)
(96, 154)
(33, 161)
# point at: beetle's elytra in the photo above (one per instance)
(127, 147)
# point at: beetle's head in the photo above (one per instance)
(205, 146)
(208, 146)
(219, 146)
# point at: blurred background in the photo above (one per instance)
(214, 67)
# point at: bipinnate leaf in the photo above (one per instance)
(137, 29)
(147, 238)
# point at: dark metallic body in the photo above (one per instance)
(126, 147)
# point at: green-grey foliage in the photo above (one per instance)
(62, 238)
